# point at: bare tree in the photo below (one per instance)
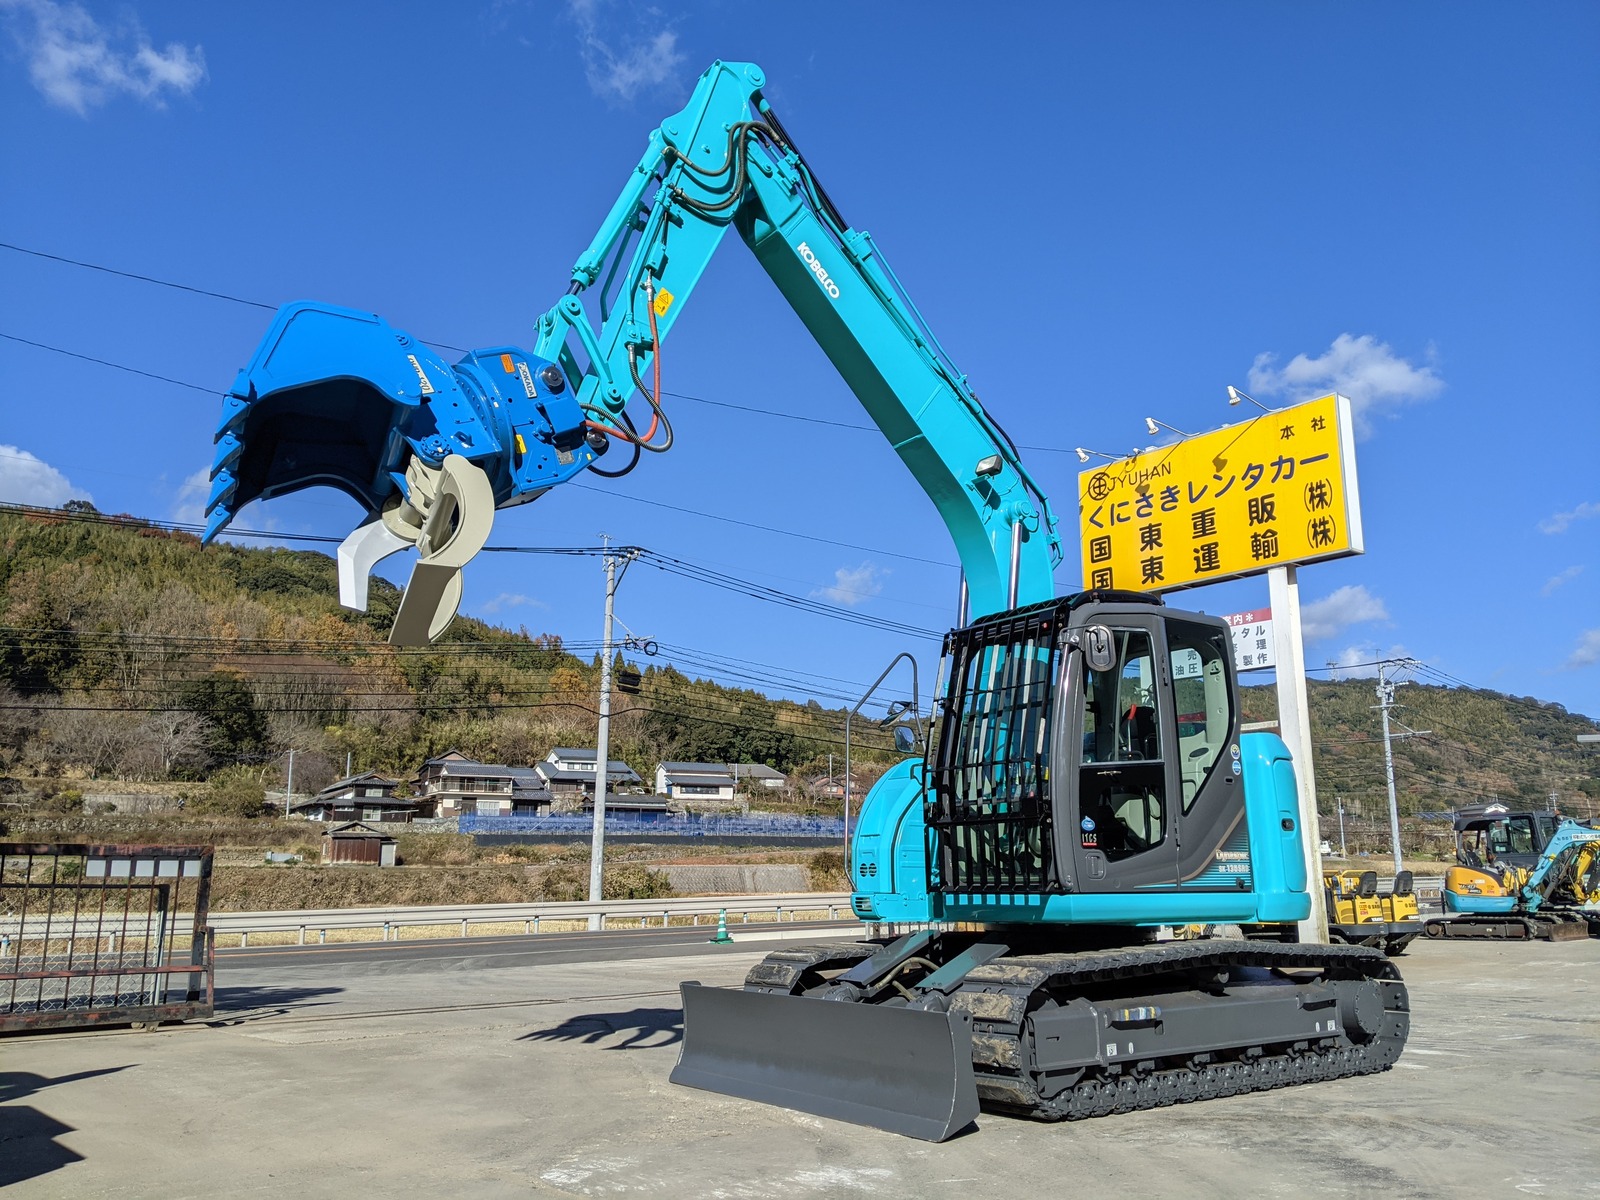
(167, 741)
(86, 736)
(19, 722)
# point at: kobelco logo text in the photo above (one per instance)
(817, 269)
(422, 376)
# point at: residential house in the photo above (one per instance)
(453, 784)
(529, 795)
(570, 775)
(832, 786)
(695, 781)
(365, 797)
(713, 781)
(765, 777)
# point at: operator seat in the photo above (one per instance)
(1138, 732)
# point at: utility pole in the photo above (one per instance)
(288, 791)
(602, 753)
(1386, 688)
(1339, 800)
(1385, 701)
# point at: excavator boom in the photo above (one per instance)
(337, 397)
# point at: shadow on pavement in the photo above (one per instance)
(236, 1005)
(27, 1136)
(644, 1028)
(28, 1144)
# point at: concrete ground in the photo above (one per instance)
(443, 1077)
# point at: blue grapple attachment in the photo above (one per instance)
(338, 397)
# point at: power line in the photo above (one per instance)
(675, 566)
(167, 283)
(805, 537)
(10, 337)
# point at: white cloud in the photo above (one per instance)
(1556, 581)
(1558, 522)
(28, 479)
(1332, 615)
(621, 63)
(76, 63)
(1376, 379)
(1360, 662)
(1588, 651)
(192, 495)
(853, 585)
(510, 600)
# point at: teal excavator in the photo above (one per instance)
(1061, 817)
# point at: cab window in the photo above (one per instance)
(1512, 836)
(1123, 792)
(1546, 827)
(1204, 708)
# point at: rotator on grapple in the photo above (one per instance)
(1064, 813)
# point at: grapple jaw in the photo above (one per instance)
(904, 1070)
(337, 397)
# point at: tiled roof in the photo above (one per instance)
(697, 768)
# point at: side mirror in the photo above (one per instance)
(905, 739)
(1099, 648)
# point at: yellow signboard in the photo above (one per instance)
(1276, 490)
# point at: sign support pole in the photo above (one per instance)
(1294, 725)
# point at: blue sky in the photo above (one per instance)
(1105, 212)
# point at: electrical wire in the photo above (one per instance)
(166, 283)
(11, 337)
(678, 566)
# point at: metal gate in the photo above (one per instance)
(103, 935)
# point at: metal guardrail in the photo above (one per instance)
(390, 921)
(658, 825)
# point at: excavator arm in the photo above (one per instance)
(337, 397)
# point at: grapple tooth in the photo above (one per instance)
(902, 1070)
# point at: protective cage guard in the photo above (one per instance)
(991, 819)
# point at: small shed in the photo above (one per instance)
(357, 844)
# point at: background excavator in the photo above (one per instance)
(1520, 875)
(1060, 813)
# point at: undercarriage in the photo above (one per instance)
(1056, 1036)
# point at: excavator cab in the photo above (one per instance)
(1063, 769)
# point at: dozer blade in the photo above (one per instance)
(898, 1069)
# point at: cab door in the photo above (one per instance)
(1122, 832)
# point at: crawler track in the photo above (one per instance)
(1005, 998)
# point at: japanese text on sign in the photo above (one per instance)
(1274, 490)
(1252, 639)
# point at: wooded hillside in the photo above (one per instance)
(130, 651)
